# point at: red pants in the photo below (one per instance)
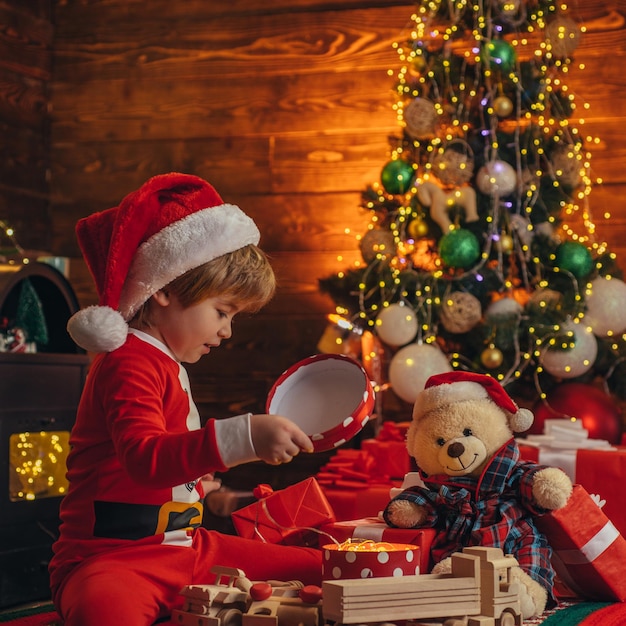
(136, 586)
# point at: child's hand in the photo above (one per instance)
(276, 439)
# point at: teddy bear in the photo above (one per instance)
(476, 490)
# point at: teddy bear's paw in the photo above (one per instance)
(533, 597)
(405, 514)
(551, 488)
(443, 567)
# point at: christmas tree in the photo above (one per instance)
(481, 253)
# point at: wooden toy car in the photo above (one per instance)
(220, 604)
(236, 601)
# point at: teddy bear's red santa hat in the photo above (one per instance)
(173, 223)
(451, 387)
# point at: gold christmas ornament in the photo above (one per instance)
(491, 357)
(503, 106)
(417, 228)
(505, 244)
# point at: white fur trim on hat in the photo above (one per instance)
(452, 387)
(182, 246)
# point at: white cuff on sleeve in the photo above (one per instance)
(234, 440)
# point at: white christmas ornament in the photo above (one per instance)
(496, 178)
(606, 307)
(396, 325)
(504, 309)
(575, 361)
(412, 366)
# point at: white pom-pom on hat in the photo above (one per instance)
(458, 386)
(98, 329)
(173, 223)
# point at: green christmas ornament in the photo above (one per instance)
(499, 55)
(396, 176)
(575, 258)
(459, 248)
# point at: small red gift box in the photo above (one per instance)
(389, 449)
(369, 560)
(588, 551)
(599, 471)
(372, 528)
(289, 516)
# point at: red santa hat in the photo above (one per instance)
(451, 387)
(170, 225)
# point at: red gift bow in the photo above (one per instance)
(262, 491)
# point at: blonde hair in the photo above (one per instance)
(244, 275)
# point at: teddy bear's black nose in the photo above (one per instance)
(455, 450)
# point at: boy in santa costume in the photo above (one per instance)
(173, 264)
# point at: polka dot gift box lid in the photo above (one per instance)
(368, 559)
(329, 396)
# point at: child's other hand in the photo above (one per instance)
(276, 439)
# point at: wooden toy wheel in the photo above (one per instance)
(507, 619)
(230, 617)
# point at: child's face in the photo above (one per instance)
(191, 332)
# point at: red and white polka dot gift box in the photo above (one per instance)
(369, 559)
(329, 396)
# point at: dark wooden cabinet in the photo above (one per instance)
(39, 393)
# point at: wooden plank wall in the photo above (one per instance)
(285, 106)
(25, 71)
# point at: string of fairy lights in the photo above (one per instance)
(462, 61)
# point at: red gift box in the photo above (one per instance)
(600, 472)
(372, 528)
(355, 501)
(389, 449)
(289, 516)
(353, 486)
(588, 551)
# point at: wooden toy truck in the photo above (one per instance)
(479, 589)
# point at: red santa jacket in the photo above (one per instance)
(137, 453)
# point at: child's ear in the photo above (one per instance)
(161, 297)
